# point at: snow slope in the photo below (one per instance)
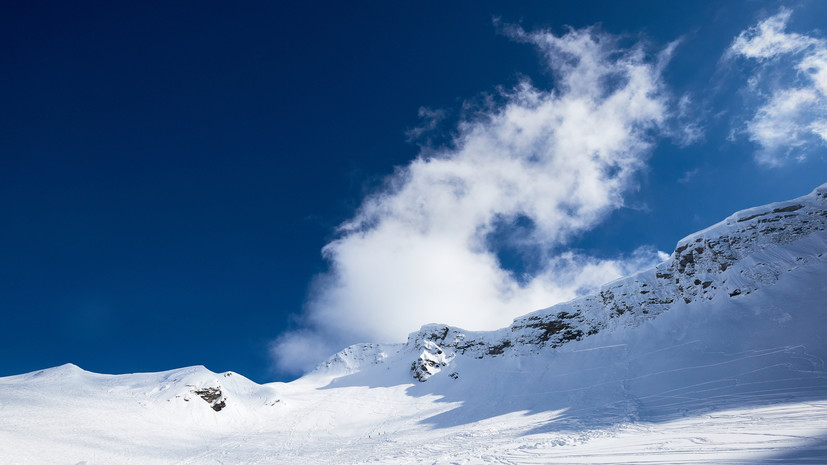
(715, 356)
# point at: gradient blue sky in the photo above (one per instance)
(169, 173)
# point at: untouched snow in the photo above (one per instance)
(717, 358)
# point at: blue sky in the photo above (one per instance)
(170, 174)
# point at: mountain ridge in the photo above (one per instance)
(698, 268)
(773, 224)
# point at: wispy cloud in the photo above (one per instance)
(429, 120)
(768, 39)
(687, 129)
(559, 160)
(689, 176)
(791, 81)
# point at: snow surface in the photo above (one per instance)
(715, 356)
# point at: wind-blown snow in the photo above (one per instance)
(716, 355)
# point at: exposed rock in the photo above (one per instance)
(430, 362)
(212, 396)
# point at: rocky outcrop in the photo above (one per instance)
(211, 395)
(430, 362)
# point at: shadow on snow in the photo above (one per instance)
(757, 350)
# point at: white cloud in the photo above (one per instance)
(814, 65)
(768, 39)
(793, 116)
(419, 251)
(820, 128)
(782, 124)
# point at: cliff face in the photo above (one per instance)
(747, 251)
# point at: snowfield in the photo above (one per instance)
(715, 356)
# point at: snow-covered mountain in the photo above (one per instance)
(748, 251)
(715, 355)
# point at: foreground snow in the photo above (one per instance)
(729, 371)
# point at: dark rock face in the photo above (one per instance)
(430, 361)
(557, 329)
(212, 396)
